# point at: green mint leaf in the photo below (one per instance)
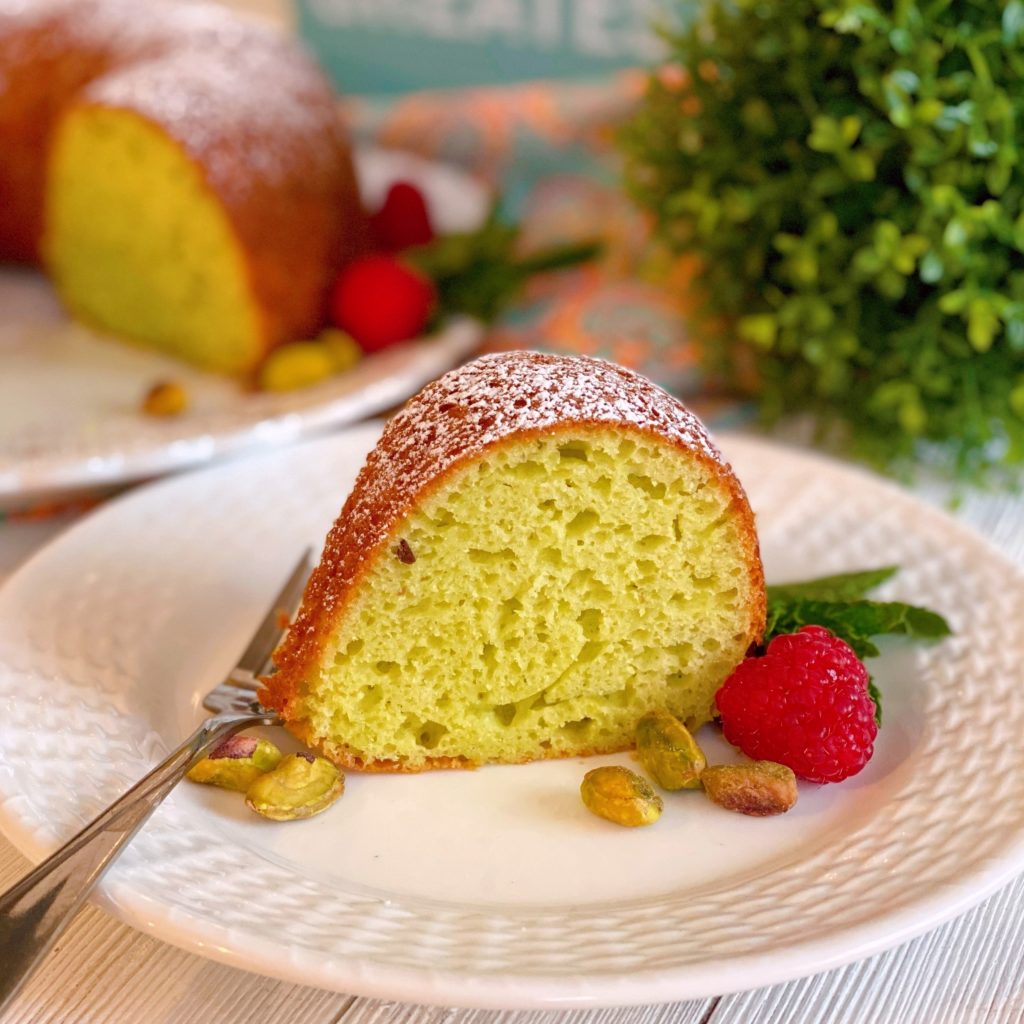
(847, 586)
(880, 617)
(557, 257)
(477, 273)
(844, 619)
(837, 603)
(857, 621)
(876, 695)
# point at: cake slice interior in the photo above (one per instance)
(536, 602)
(136, 243)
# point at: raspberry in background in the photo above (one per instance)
(403, 220)
(380, 301)
(805, 704)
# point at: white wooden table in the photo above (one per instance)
(970, 970)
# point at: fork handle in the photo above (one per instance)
(35, 910)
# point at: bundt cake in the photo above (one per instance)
(180, 171)
(539, 550)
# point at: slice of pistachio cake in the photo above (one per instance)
(539, 550)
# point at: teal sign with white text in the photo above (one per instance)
(393, 46)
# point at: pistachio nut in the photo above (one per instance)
(666, 749)
(165, 398)
(299, 364)
(236, 763)
(342, 348)
(299, 787)
(620, 796)
(761, 788)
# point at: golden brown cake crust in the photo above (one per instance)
(494, 400)
(345, 758)
(246, 105)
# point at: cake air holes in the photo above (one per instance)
(644, 483)
(584, 520)
(430, 734)
(573, 451)
(489, 656)
(590, 622)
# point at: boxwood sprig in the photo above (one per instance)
(849, 173)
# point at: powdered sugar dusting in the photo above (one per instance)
(243, 101)
(454, 420)
(456, 417)
(237, 99)
(486, 400)
(233, 93)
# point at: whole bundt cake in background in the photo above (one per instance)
(539, 550)
(180, 171)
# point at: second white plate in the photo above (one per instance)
(69, 414)
(496, 887)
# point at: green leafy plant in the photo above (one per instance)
(850, 173)
(838, 603)
(479, 273)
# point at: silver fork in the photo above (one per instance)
(35, 910)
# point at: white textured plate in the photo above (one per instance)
(496, 887)
(69, 398)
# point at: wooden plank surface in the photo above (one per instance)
(967, 971)
(102, 972)
(364, 1011)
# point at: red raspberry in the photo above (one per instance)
(804, 704)
(403, 220)
(380, 301)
